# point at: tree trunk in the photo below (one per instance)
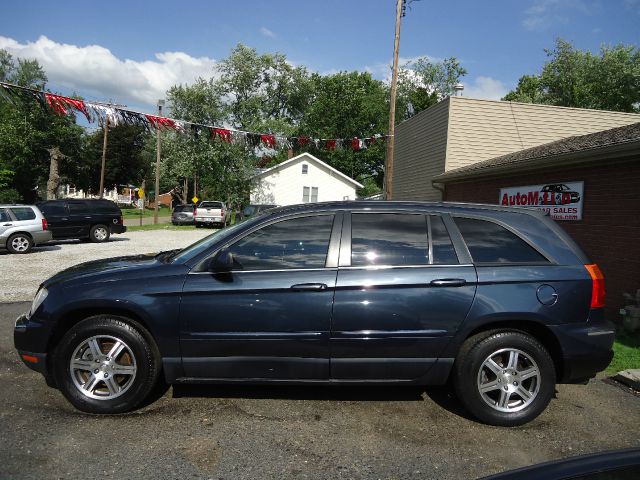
(54, 178)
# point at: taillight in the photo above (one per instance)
(121, 220)
(597, 288)
(195, 211)
(222, 212)
(44, 224)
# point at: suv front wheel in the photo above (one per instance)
(99, 233)
(504, 378)
(106, 365)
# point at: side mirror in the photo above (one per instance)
(223, 261)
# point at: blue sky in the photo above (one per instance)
(132, 51)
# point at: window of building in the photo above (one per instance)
(442, 247)
(309, 194)
(296, 243)
(490, 243)
(388, 239)
(305, 168)
(23, 213)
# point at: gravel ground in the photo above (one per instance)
(245, 432)
(22, 274)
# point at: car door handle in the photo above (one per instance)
(304, 287)
(448, 282)
(7, 224)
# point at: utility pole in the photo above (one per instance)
(388, 171)
(104, 154)
(155, 210)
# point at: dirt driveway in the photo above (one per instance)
(293, 432)
(22, 274)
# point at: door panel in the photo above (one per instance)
(393, 323)
(255, 325)
(269, 318)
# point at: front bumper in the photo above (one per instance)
(587, 349)
(21, 339)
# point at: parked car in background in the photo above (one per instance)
(210, 213)
(182, 215)
(22, 227)
(90, 219)
(254, 209)
(498, 300)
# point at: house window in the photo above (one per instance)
(309, 194)
(305, 168)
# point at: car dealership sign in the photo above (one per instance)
(563, 201)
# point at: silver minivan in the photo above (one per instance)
(22, 227)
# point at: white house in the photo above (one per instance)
(302, 179)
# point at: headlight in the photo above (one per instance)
(37, 300)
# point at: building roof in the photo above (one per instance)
(577, 149)
(311, 158)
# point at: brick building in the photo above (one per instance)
(606, 165)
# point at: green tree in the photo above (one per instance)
(609, 80)
(27, 131)
(347, 105)
(423, 83)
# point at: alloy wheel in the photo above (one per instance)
(20, 244)
(103, 367)
(509, 380)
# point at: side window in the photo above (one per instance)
(305, 194)
(78, 208)
(23, 213)
(491, 243)
(314, 194)
(388, 239)
(443, 251)
(4, 215)
(53, 208)
(296, 243)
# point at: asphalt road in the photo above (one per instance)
(290, 432)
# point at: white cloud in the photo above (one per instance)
(382, 70)
(267, 33)
(94, 70)
(487, 88)
(544, 13)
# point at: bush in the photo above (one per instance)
(10, 195)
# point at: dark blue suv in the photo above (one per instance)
(499, 301)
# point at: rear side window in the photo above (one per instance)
(4, 216)
(442, 247)
(491, 243)
(104, 206)
(23, 213)
(78, 208)
(388, 239)
(53, 208)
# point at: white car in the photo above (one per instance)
(210, 213)
(22, 227)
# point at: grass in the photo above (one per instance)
(135, 212)
(626, 353)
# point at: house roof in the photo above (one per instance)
(311, 158)
(577, 149)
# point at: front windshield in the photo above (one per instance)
(203, 244)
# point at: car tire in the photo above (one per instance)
(19, 243)
(88, 376)
(99, 233)
(504, 378)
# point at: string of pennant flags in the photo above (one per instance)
(108, 114)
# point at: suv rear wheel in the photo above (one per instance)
(99, 233)
(19, 243)
(106, 365)
(504, 378)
